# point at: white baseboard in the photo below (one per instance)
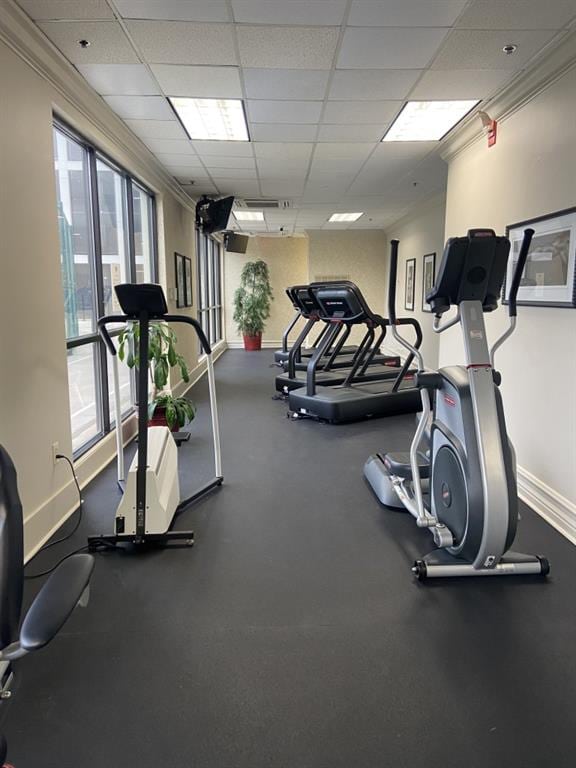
(239, 344)
(557, 510)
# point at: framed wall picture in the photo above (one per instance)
(549, 279)
(179, 270)
(410, 283)
(428, 278)
(188, 281)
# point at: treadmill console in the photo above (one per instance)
(135, 298)
(339, 303)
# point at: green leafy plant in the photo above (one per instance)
(162, 357)
(177, 410)
(253, 298)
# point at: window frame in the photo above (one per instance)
(105, 421)
(209, 286)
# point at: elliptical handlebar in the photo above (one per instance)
(520, 264)
(414, 350)
(514, 286)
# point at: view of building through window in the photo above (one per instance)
(98, 206)
(209, 259)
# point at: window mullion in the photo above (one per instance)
(102, 403)
(131, 242)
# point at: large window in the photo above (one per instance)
(209, 253)
(106, 223)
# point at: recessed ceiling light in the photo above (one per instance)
(212, 119)
(249, 215)
(340, 217)
(428, 120)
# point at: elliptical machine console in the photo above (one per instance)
(459, 478)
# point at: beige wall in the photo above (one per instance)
(359, 255)
(530, 172)
(421, 233)
(287, 259)
(34, 410)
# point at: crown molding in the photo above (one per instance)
(529, 83)
(26, 40)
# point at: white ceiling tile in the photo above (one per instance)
(386, 48)
(459, 83)
(157, 129)
(174, 10)
(372, 84)
(517, 14)
(285, 83)
(170, 146)
(282, 188)
(46, 10)
(190, 172)
(283, 152)
(480, 49)
(343, 150)
(279, 132)
(326, 13)
(364, 112)
(270, 169)
(287, 47)
(331, 195)
(336, 164)
(410, 150)
(121, 79)
(242, 188)
(405, 13)
(140, 107)
(176, 159)
(108, 43)
(284, 111)
(214, 161)
(231, 173)
(184, 42)
(345, 133)
(223, 148)
(200, 82)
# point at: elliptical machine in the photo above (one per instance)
(460, 480)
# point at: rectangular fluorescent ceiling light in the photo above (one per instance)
(249, 215)
(212, 119)
(428, 120)
(340, 217)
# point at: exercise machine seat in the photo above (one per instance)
(56, 601)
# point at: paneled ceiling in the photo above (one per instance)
(321, 81)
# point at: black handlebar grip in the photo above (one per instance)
(204, 343)
(520, 264)
(106, 338)
(392, 281)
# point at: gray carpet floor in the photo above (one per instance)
(293, 635)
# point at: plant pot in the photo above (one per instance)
(253, 343)
(159, 419)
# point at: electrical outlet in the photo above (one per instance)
(55, 452)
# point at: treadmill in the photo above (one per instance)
(305, 308)
(325, 366)
(344, 305)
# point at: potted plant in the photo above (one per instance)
(252, 303)
(164, 409)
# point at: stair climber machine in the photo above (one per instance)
(151, 493)
(460, 481)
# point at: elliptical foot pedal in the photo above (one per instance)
(398, 464)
